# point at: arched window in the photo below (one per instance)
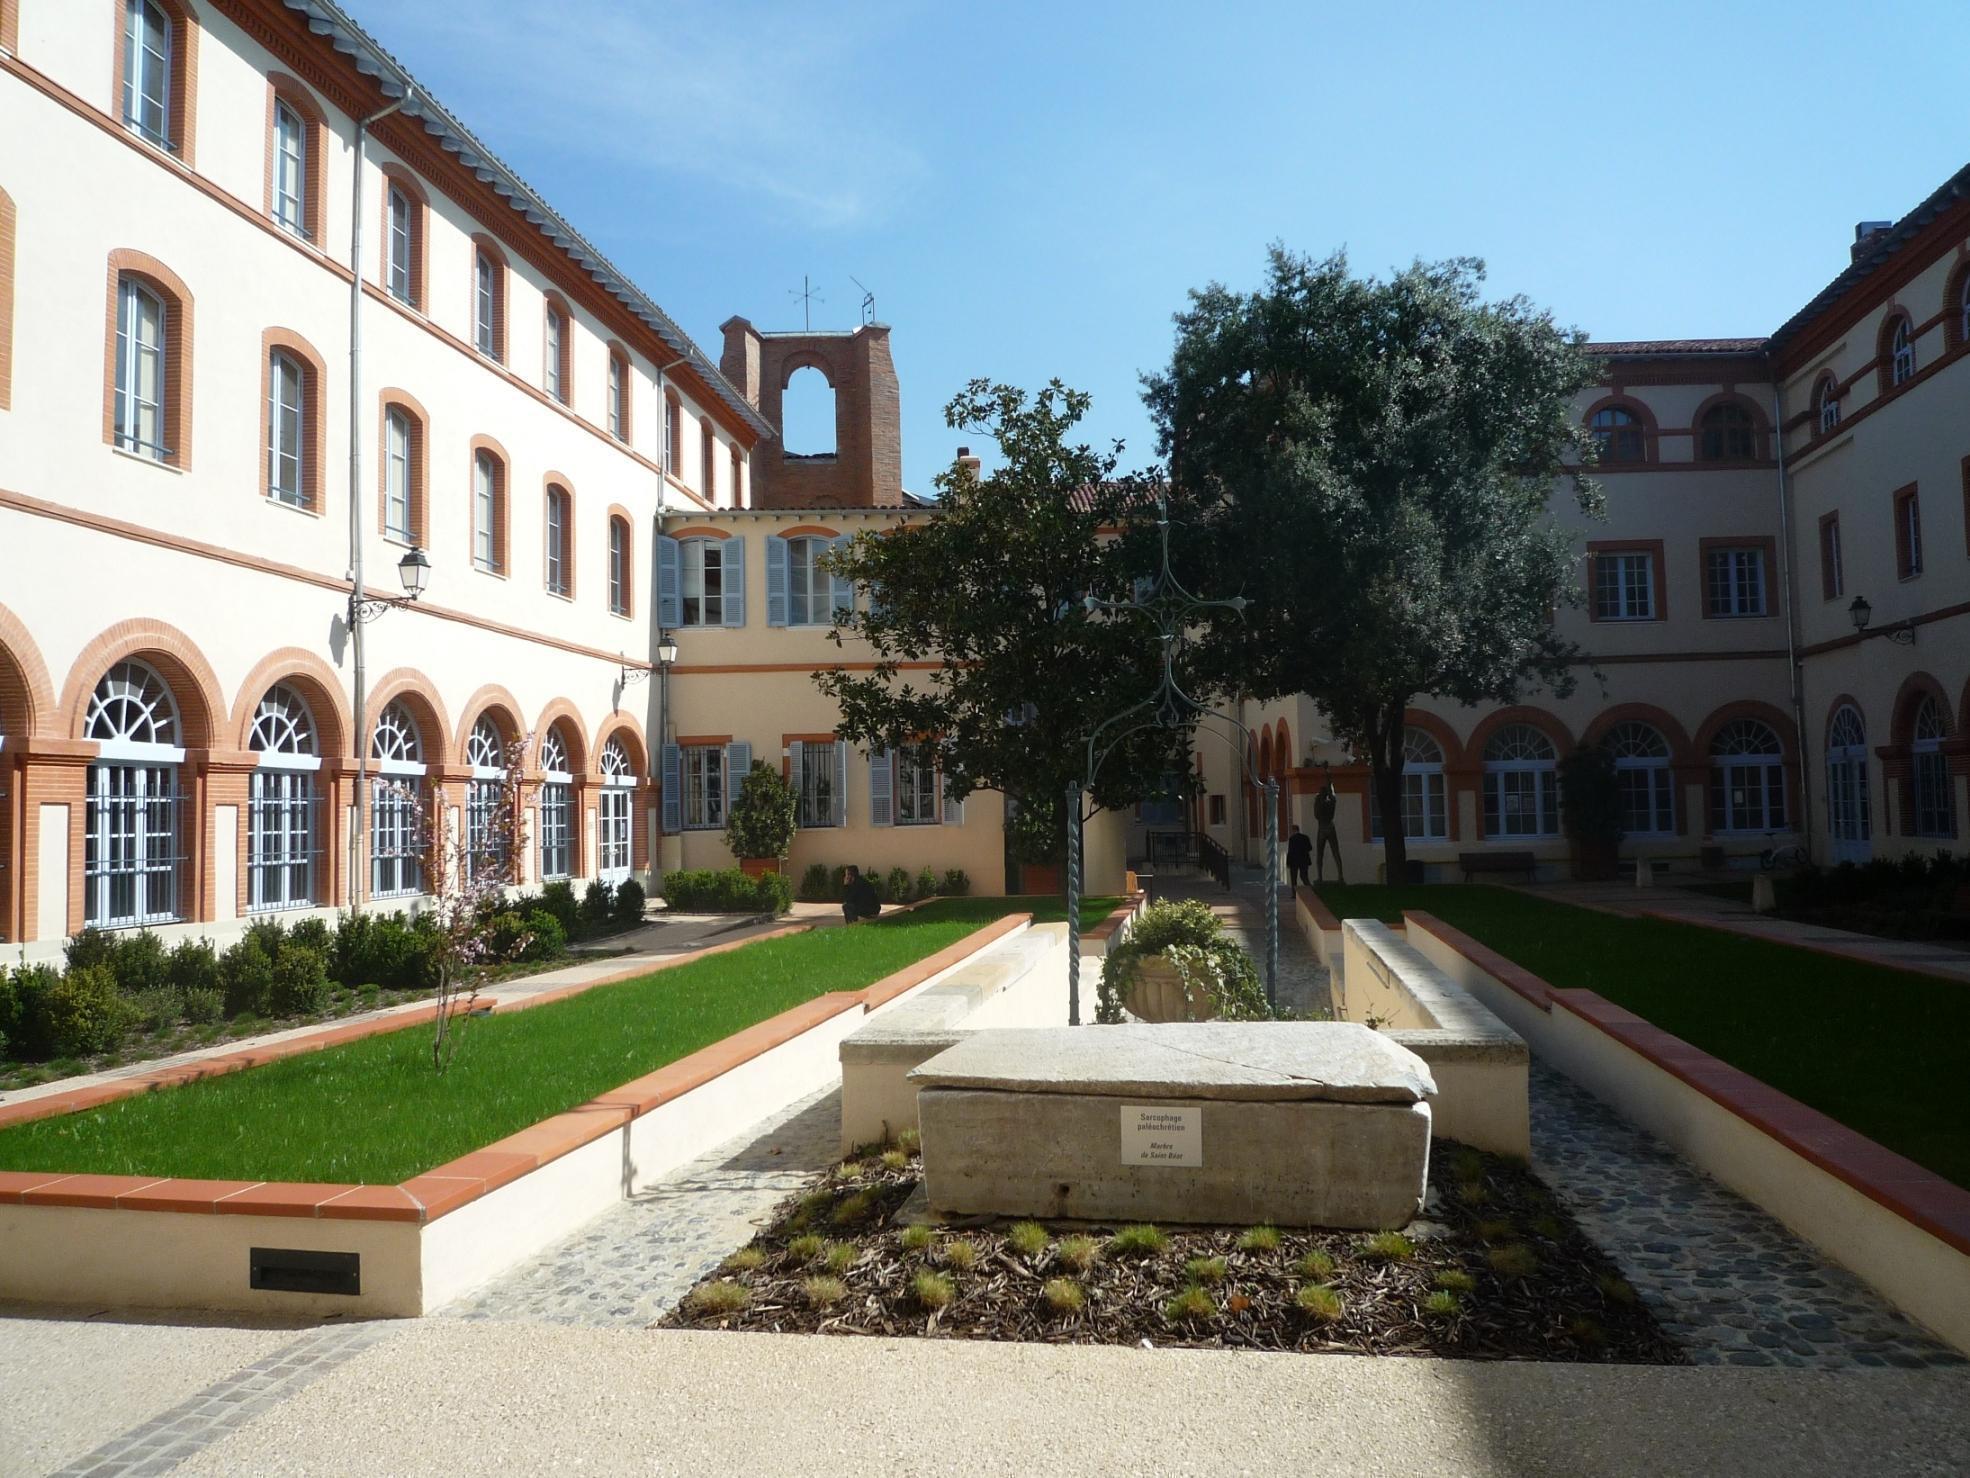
(1828, 400)
(708, 461)
(702, 581)
(619, 567)
(488, 832)
(134, 824)
(404, 240)
(403, 475)
(1643, 779)
(1747, 783)
(1961, 308)
(618, 395)
(141, 369)
(1618, 434)
(1902, 351)
(1425, 805)
(557, 352)
(287, 414)
(673, 416)
(808, 426)
(282, 829)
(396, 807)
(612, 813)
(290, 183)
(1727, 434)
(150, 42)
(1521, 784)
(1934, 809)
(1847, 785)
(488, 303)
(488, 512)
(560, 541)
(738, 479)
(556, 808)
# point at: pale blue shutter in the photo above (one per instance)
(881, 774)
(844, 590)
(776, 580)
(670, 596)
(738, 764)
(796, 759)
(732, 570)
(673, 790)
(839, 816)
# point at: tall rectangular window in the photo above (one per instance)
(485, 512)
(1908, 534)
(738, 496)
(140, 370)
(1833, 579)
(818, 762)
(1624, 586)
(1734, 582)
(701, 569)
(618, 567)
(671, 415)
(557, 541)
(402, 284)
(147, 71)
(704, 786)
(556, 829)
(396, 841)
(616, 393)
(557, 333)
(708, 463)
(396, 475)
(286, 407)
(916, 790)
(290, 169)
(485, 305)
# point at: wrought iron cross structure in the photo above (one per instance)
(1164, 599)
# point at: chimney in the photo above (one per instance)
(970, 463)
(740, 361)
(1864, 231)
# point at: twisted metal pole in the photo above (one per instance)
(1073, 904)
(1272, 894)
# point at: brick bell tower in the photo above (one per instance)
(865, 470)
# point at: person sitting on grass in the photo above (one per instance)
(858, 897)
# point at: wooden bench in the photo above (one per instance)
(1475, 862)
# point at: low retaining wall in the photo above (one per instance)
(135, 1241)
(1319, 927)
(1903, 1229)
(1481, 1066)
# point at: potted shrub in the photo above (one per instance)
(1179, 965)
(759, 827)
(1590, 811)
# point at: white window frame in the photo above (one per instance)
(1644, 779)
(819, 806)
(396, 806)
(702, 767)
(1836, 559)
(282, 816)
(557, 811)
(1829, 406)
(1749, 785)
(485, 304)
(1908, 511)
(1521, 790)
(700, 563)
(916, 790)
(1901, 348)
(402, 280)
(485, 512)
(287, 412)
(142, 367)
(1931, 787)
(557, 331)
(290, 169)
(147, 72)
(558, 501)
(618, 394)
(484, 795)
(618, 567)
(133, 821)
(1624, 585)
(613, 840)
(1734, 582)
(397, 444)
(813, 605)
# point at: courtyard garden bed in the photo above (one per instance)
(1498, 1271)
(1883, 1051)
(374, 1111)
(1913, 897)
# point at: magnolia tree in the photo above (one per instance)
(1374, 462)
(467, 870)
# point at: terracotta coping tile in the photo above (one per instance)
(280, 1198)
(552, 1138)
(1514, 977)
(99, 1191)
(911, 976)
(494, 1168)
(372, 1203)
(183, 1195)
(1315, 905)
(14, 1182)
(1852, 954)
(438, 1194)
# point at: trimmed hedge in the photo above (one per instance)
(702, 890)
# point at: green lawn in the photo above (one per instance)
(1884, 1052)
(374, 1111)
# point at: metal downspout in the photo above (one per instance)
(1791, 611)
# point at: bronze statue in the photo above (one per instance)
(1325, 803)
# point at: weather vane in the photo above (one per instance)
(807, 297)
(868, 301)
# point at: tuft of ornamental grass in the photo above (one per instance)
(1259, 1239)
(821, 1291)
(1064, 1296)
(1473, 1192)
(850, 1170)
(1455, 1280)
(855, 1208)
(840, 1256)
(1513, 1260)
(805, 1248)
(1585, 1331)
(1466, 1163)
(959, 1253)
(1319, 1301)
(916, 1237)
(933, 1290)
(1388, 1247)
(1078, 1252)
(812, 1207)
(1027, 1238)
(1496, 1229)
(1140, 1240)
(1549, 1227)
(1316, 1266)
(1443, 1304)
(1191, 1304)
(1615, 1290)
(722, 1297)
(909, 1141)
(1205, 1270)
(895, 1160)
(745, 1260)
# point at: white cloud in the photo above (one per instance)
(766, 100)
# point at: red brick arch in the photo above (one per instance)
(1780, 724)
(1681, 751)
(574, 734)
(1454, 754)
(179, 341)
(27, 697)
(1517, 713)
(490, 699)
(622, 726)
(419, 695)
(318, 683)
(1915, 687)
(202, 709)
(802, 359)
(1651, 435)
(1760, 424)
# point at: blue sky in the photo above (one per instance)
(1030, 190)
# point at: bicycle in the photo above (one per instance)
(1775, 857)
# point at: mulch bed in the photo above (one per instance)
(1496, 1270)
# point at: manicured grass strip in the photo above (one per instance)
(1885, 1052)
(375, 1112)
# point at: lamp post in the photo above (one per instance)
(414, 573)
(666, 656)
(1902, 633)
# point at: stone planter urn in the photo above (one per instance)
(754, 867)
(1159, 995)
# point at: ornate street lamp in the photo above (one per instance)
(1902, 633)
(413, 570)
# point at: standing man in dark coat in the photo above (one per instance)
(1299, 857)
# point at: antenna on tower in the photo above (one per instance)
(807, 298)
(868, 302)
